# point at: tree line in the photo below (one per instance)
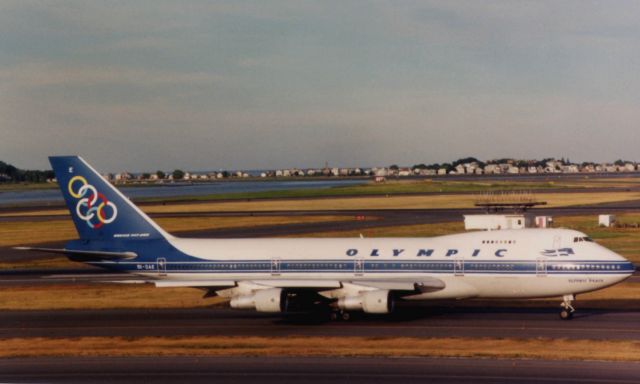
(11, 174)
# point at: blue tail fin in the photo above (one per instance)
(98, 209)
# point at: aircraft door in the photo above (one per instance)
(358, 267)
(162, 266)
(541, 267)
(275, 267)
(458, 266)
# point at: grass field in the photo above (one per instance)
(540, 348)
(23, 232)
(384, 201)
(391, 187)
(101, 296)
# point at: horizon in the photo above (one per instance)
(411, 166)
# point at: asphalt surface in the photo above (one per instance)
(238, 370)
(415, 321)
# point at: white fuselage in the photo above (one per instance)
(526, 263)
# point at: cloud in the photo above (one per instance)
(34, 75)
(254, 84)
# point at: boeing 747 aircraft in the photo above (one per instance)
(345, 275)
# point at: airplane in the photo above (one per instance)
(340, 275)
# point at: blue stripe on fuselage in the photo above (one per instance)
(378, 266)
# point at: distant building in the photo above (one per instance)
(404, 172)
(492, 169)
(512, 170)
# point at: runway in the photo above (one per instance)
(418, 322)
(350, 370)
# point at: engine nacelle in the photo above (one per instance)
(350, 303)
(379, 301)
(279, 300)
(268, 300)
(264, 300)
(243, 302)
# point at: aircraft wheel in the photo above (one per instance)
(566, 314)
(346, 316)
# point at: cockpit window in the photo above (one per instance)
(583, 238)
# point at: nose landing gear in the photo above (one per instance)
(566, 309)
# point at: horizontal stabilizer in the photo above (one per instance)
(83, 255)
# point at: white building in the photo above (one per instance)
(543, 221)
(606, 220)
(495, 222)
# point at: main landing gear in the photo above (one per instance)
(340, 315)
(566, 309)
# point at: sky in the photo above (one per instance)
(202, 85)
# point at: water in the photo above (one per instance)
(179, 190)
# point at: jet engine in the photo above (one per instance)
(278, 300)
(379, 301)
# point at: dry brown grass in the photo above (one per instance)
(46, 263)
(382, 202)
(42, 212)
(200, 223)
(369, 202)
(34, 232)
(418, 230)
(100, 296)
(557, 349)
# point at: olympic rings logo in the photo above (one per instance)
(91, 207)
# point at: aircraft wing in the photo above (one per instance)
(83, 255)
(422, 285)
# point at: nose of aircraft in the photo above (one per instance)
(627, 268)
(623, 267)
